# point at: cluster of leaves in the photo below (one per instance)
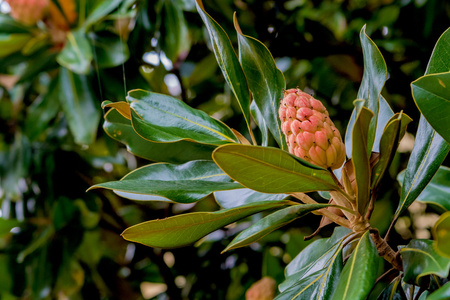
(248, 179)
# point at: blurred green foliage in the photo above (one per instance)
(56, 241)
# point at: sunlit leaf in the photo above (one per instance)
(161, 118)
(234, 198)
(271, 170)
(77, 53)
(441, 233)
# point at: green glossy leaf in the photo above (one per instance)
(441, 294)
(360, 271)
(437, 192)
(271, 170)
(228, 62)
(234, 198)
(318, 285)
(393, 291)
(374, 78)
(183, 230)
(360, 158)
(261, 122)
(100, 11)
(10, 43)
(79, 105)
(9, 25)
(430, 149)
(161, 118)
(441, 233)
(77, 53)
(271, 223)
(120, 129)
(184, 183)
(42, 111)
(265, 80)
(420, 259)
(318, 250)
(392, 134)
(109, 51)
(432, 96)
(176, 40)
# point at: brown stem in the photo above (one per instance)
(385, 251)
(333, 217)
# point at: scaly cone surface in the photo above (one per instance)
(310, 133)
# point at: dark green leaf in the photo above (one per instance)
(79, 105)
(432, 96)
(384, 116)
(10, 43)
(271, 170)
(419, 259)
(120, 129)
(437, 192)
(42, 111)
(375, 75)
(77, 53)
(176, 36)
(7, 224)
(9, 25)
(161, 118)
(360, 271)
(228, 61)
(184, 183)
(360, 158)
(394, 291)
(109, 51)
(317, 251)
(182, 230)
(392, 134)
(265, 80)
(234, 198)
(270, 223)
(430, 149)
(441, 233)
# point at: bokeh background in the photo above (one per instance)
(59, 59)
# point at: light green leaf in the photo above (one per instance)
(360, 271)
(228, 62)
(77, 53)
(420, 259)
(120, 129)
(440, 294)
(234, 198)
(271, 170)
(270, 223)
(265, 80)
(10, 43)
(182, 230)
(161, 118)
(79, 105)
(184, 183)
(441, 233)
(432, 96)
(99, 12)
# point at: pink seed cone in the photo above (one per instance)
(309, 131)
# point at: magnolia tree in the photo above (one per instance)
(199, 155)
